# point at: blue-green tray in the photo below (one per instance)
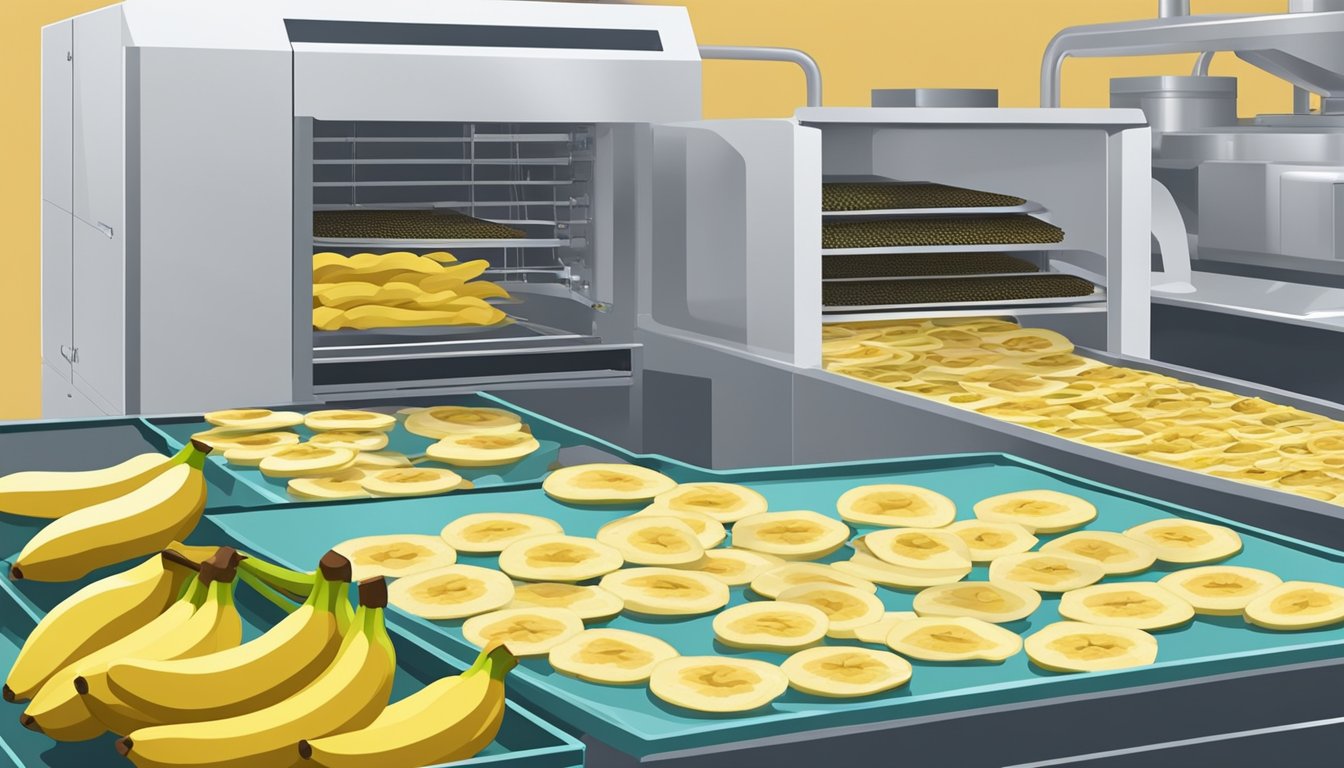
(633, 721)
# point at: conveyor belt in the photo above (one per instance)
(881, 293)
(857, 196)
(948, 230)
(407, 225)
(877, 265)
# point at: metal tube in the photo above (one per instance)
(789, 55)
(1202, 64)
(1169, 8)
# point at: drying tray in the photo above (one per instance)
(887, 197)
(377, 224)
(987, 290)
(633, 721)
(1012, 229)
(877, 266)
(524, 740)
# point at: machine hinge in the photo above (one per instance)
(71, 354)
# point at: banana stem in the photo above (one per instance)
(277, 577)
(262, 588)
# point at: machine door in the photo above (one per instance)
(99, 317)
(736, 235)
(57, 288)
(57, 114)
(99, 136)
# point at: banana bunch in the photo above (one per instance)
(370, 290)
(106, 516)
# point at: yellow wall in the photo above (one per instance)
(860, 44)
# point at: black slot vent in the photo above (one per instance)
(473, 35)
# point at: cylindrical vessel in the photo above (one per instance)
(1178, 103)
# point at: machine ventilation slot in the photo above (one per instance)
(333, 31)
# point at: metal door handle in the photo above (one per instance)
(71, 354)
(106, 229)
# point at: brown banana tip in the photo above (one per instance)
(373, 592)
(201, 445)
(305, 750)
(29, 722)
(15, 573)
(222, 567)
(335, 566)
(173, 556)
(124, 746)
(81, 686)
(8, 693)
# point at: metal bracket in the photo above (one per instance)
(105, 228)
(71, 354)
(69, 55)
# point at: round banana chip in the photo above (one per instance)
(442, 421)
(490, 532)
(771, 626)
(606, 484)
(305, 460)
(524, 631)
(483, 450)
(252, 456)
(724, 502)
(734, 567)
(1072, 646)
(877, 631)
(1297, 605)
(846, 672)
(452, 592)
(1038, 511)
(411, 481)
(937, 638)
(1045, 572)
(919, 548)
(1187, 541)
(1219, 590)
(846, 608)
(896, 505)
(590, 603)
(652, 540)
(321, 421)
(253, 419)
(1116, 553)
(798, 535)
(396, 555)
(863, 565)
(859, 353)
(226, 440)
(610, 656)
(989, 541)
(355, 439)
(709, 531)
(1027, 343)
(1009, 384)
(666, 591)
(345, 484)
(381, 460)
(557, 557)
(717, 683)
(772, 582)
(995, 603)
(1135, 604)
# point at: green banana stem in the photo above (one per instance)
(283, 579)
(262, 588)
(192, 454)
(495, 660)
(195, 592)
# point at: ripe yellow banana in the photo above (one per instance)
(92, 618)
(55, 494)
(348, 695)
(142, 521)
(448, 720)
(248, 677)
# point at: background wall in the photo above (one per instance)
(860, 44)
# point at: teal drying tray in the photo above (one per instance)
(633, 721)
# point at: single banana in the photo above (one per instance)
(56, 494)
(448, 720)
(142, 521)
(348, 695)
(96, 616)
(248, 677)
(278, 577)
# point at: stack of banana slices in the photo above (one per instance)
(395, 290)
(1033, 377)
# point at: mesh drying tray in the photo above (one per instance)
(1015, 229)
(407, 225)
(872, 294)
(869, 196)
(877, 265)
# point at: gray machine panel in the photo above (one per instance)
(99, 134)
(58, 141)
(99, 315)
(57, 286)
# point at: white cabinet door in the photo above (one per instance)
(100, 315)
(57, 287)
(99, 125)
(58, 114)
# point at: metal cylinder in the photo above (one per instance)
(1168, 8)
(1178, 103)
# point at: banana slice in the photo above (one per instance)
(846, 672)
(411, 481)
(771, 626)
(557, 557)
(1038, 511)
(1046, 572)
(490, 532)
(717, 684)
(525, 631)
(896, 505)
(345, 484)
(321, 421)
(252, 456)
(1297, 605)
(1026, 343)
(989, 541)
(799, 535)
(709, 531)
(994, 603)
(354, 439)
(610, 656)
(395, 556)
(253, 419)
(1219, 590)
(666, 591)
(772, 582)
(590, 603)
(381, 460)
(877, 631)
(920, 549)
(846, 608)
(444, 420)
(227, 439)
(863, 565)
(1187, 541)
(305, 460)
(953, 639)
(652, 540)
(724, 502)
(1116, 553)
(734, 567)
(1135, 604)
(1072, 646)
(1009, 384)
(452, 592)
(606, 484)
(483, 450)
